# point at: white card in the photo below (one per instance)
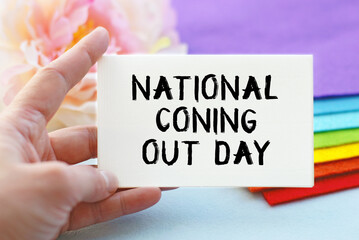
(206, 120)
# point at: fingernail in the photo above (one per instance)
(111, 181)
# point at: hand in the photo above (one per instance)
(41, 194)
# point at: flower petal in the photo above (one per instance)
(31, 53)
(78, 17)
(60, 32)
(10, 73)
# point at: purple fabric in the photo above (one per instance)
(327, 29)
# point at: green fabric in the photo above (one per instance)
(335, 138)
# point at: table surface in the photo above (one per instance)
(233, 213)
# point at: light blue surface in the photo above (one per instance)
(336, 105)
(336, 121)
(233, 213)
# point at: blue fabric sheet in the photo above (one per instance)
(336, 105)
(331, 122)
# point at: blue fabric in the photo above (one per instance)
(336, 105)
(336, 121)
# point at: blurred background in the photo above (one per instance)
(35, 32)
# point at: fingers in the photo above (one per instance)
(74, 144)
(119, 204)
(89, 184)
(75, 184)
(89, 193)
(45, 92)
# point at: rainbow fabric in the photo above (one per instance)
(336, 151)
(287, 27)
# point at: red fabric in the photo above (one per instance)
(322, 186)
(325, 170)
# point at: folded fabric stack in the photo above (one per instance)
(336, 151)
(283, 27)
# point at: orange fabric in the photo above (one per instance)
(325, 170)
(258, 189)
(337, 167)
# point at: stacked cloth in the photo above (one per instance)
(328, 29)
(332, 37)
(336, 151)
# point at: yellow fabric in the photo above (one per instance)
(336, 153)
